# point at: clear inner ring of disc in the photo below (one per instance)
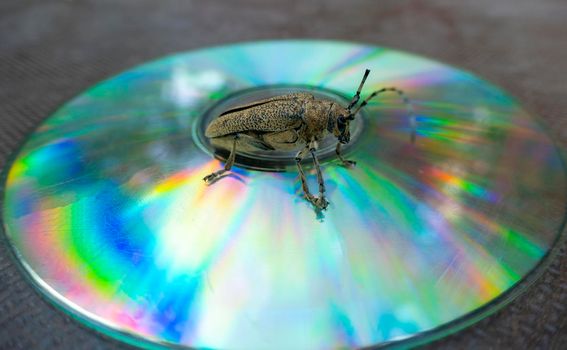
(106, 208)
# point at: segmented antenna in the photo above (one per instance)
(356, 97)
(405, 99)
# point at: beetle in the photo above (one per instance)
(288, 121)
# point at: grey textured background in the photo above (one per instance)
(53, 50)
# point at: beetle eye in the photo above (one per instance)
(341, 123)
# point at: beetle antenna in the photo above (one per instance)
(356, 97)
(406, 101)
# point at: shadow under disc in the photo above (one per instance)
(105, 206)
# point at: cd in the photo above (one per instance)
(106, 208)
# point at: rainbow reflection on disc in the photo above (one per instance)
(106, 208)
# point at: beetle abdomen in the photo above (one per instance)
(274, 116)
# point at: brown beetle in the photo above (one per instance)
(288, 121)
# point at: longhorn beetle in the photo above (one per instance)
(287, 121)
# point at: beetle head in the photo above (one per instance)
(339, 118)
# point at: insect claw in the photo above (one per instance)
(322, 203)
(349, 163)
(211, 178)
(318, 202)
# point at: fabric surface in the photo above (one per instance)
(51, 51)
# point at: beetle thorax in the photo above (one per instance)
(318, 116)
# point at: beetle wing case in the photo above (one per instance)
(274, 114)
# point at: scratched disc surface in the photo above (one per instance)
(105, 207)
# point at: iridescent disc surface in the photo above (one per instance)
(105, 206)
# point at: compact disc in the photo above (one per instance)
(105, 207)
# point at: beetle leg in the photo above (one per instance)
(212, 177)
(320, 202)
(298, 158)
(346, 162)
